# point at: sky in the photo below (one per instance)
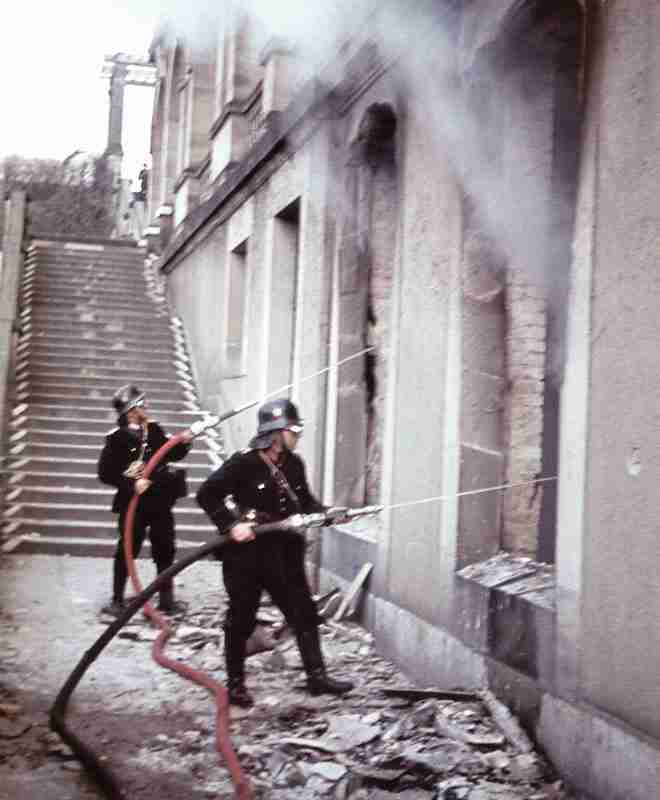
(52, 97)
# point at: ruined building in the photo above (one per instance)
(468, 188)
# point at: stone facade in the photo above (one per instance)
(438, 203)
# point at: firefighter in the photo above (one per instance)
(268, 480)
(126, 451)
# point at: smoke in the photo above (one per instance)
(494, 126)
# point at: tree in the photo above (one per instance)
(72, 197)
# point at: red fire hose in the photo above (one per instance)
(222, 739)
(98, 769)
(90, 760)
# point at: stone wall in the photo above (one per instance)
(450, 275)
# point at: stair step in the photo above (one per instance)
(54, 278)
(50, 256)
(99, 297)
(94, 398)
(110, 249)
(48, 437)
(43, 370)
(35, 362)
(31, 494)
(85, 466)
(93, 427)
(144, 310)
(66, 269)
(104, 413)
(81, 384)
(88, 348)
(61, 279)
(92, 320)
(95, 548)
(100, 529)
(136, 319)
(107, 335)
(55, 284)
(50, 513)
(74, 481)
(66, 449)
(86, 262)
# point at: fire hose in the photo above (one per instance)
(102, 774)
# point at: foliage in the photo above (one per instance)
(72, 197)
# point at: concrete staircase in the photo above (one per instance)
(94, 317)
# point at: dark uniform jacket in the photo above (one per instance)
(122, 446)
(249, 480)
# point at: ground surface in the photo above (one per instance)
(157, 731)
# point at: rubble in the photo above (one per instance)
(385, 739)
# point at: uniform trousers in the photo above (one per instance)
(274, 562)
(156, 521)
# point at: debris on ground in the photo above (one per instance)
(386, 739)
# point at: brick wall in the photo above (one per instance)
(525, 354)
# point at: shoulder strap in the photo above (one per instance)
(280, 479)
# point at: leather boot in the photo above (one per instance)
(235, 662)
(166, 601)
(318, 681)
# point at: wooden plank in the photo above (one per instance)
(347, 605)
(431, 694)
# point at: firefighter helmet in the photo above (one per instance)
(278, 415)
(126, 398)
(275, 415)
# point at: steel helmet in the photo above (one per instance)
(126, 398)
(275, 415)
(278, 415)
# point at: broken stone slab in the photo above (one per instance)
(500, 570)
(424, 715)
(440, 759)
(451, 730)
(290, 775)
(454, 789)
(192, 741)
(378, 774)
(328, 770)
(191, 633)
(488, 790)
(349, 788)
(311, 744)
(506, 722)
(497, 760)
(405, 794)
(399, 730)
(372, 718)
(345, 732)
(525, 767)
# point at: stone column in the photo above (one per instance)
(116, 112)
(12, 265)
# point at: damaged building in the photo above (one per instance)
(463, 194)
